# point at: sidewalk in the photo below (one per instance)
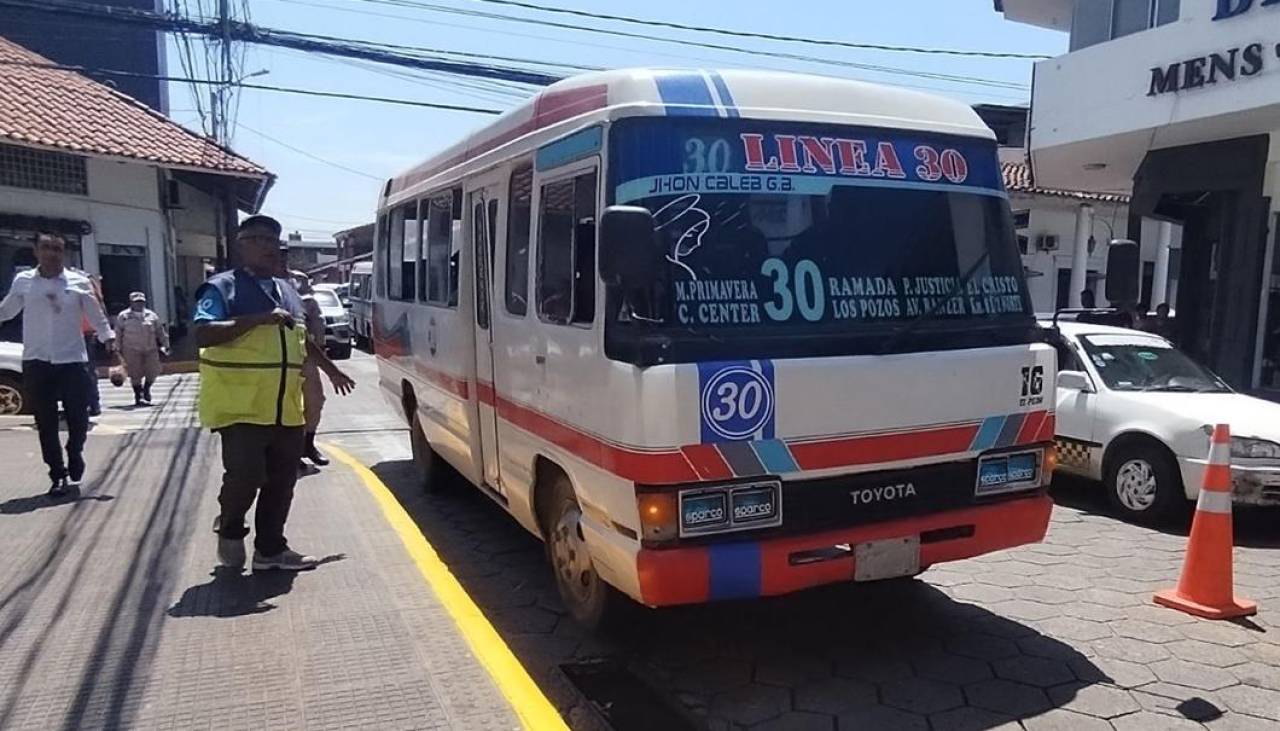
(111, 615)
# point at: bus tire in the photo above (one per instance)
(591, 602)
(431, 469)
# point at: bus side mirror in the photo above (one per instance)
(629, 255)
(1124, 265)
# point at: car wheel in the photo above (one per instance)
(341, 352)
(431, 467)
(1145, 486)
(590, 601)
(12, 398)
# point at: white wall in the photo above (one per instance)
(123, 207)
(1091, 106)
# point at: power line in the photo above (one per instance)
(260, 87)
(304, 153)
(767, 36)
(891, 70)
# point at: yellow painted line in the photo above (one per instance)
(526, 699)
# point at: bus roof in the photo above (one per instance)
(581, 101)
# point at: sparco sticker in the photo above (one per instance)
(736, 400)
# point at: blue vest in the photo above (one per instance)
(242, 296)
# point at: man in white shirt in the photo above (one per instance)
(54, 302)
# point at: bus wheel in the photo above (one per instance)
(430, 466)
(590, 601)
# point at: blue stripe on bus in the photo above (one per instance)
(775, 456)
(735, 570)
(987, 434)
(574, 147)
(686, 95)
(730, 106)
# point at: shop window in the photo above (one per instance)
(518, 230)
(566, 250)
(1129, 17)
(53, 172)
(1098, 21)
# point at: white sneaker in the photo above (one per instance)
(286, 560)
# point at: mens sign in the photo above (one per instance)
(1232, 8)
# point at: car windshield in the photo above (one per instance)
(326, 298)
(1134, 363)
(796, 231)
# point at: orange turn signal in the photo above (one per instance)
(658, 516)
(1050, 464)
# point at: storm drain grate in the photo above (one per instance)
(624, 700)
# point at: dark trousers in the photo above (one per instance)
(262, 462)
(47, 384)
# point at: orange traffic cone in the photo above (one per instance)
(1205, 588)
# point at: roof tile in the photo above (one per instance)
(1018, 179)
(65, 110)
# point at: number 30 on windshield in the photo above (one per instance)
(801, 290)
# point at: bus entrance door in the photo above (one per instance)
(483, 207)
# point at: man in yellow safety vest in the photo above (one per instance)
(251, 354)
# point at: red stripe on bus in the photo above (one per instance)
(1047, 428)
(549, 108)
(852, 451)
(707, 462)
(486, 394)
(1031, 427)
(654, 468)
(447, 381)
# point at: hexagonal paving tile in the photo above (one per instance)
(1221, 634)
(880, 717)
(950, 668)
(791, 670)
(1101, 701)
(1072, 628)
(796, 721)
(1137, 629)
(1240, 722)
(1207, 653)
(1120, 673)
(982, 646)
(1061, 720)
(1179, 700)
(921, 695)
(1148, 721)
(1258, 674)
(1049, 648)
(872, 668)
(1036, 671)
(1006, 696)
(1026, 610)
(1252, 701)
(972, 719)
(1123, 648)
(982, 593)
(751, 704)
(1193, 674)
(1047, 594)
(713, 676)
(834, 695)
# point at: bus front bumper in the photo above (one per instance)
(740, 570)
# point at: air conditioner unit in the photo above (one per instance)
(1047, 242)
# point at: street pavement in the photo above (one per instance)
(1061, 635)
(109, 616)
(113, 616)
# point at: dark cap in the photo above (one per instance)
(266, 224)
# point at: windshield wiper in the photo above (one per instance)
(897, 336)
(1175, 389)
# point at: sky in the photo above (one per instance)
(373, 141)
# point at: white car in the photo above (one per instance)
(12, 398)
(337, 321)
(1136, 413)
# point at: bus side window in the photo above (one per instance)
(409, 259)
(395, 254)
(520, 213)
(439, 242)
(566, 250)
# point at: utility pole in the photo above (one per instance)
(221, 128)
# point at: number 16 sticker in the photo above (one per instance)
(737, 400)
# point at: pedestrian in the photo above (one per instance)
(1162, 323)
(53, 301)
(1087, 299)
(312, 388)
(90, 348)
(143, 339)
(251, 354)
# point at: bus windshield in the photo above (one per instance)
(775, 231)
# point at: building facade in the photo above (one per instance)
(96, 44)
(139, 198)
(1177, 104)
